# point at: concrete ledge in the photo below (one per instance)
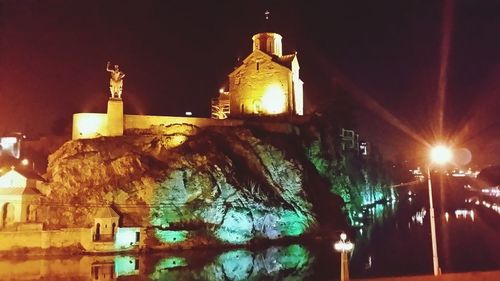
(466, 276)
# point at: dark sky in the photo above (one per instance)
(176, 54)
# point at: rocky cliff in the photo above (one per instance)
(232, 184)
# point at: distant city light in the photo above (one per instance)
(8, 141)
(189, 113)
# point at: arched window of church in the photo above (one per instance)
(257, 42)
(7, 214)
(97, 235)
(242, 108)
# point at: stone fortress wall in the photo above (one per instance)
(98, 123)
(93, 125)
(115, 123)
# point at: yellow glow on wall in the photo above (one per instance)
(90, 126)
(177, 140)
(274, 99)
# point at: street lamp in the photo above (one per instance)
(440, 155)
(344, 247)
(25, 162)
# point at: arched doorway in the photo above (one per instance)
(97, 236)
(7, 214)
(30, 213)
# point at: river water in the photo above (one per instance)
(395, 241)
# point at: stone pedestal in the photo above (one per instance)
(115, 117)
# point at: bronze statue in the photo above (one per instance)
(116, 81)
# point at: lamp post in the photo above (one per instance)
(439, 155)
(344, 247)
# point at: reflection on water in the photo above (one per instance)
(291, 262)
(394, 240)
(485, 202)
(419, 216)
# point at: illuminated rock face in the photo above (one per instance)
(230, 184)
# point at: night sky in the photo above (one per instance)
(176, 55)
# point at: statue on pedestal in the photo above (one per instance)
(116, 81)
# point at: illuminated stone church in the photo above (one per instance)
(265, 83)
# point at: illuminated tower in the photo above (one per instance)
(269, 43)
(265, 83)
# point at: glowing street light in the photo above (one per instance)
(439, 155)
(344, 247)
(26, 162)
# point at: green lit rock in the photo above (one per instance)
(171, 236)
(275, 263)
(236, 227)
(228, 184)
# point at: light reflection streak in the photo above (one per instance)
(419, 216)
(443, 70)
(464, 214)
(493, 206)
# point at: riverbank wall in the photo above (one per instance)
(465, 276)
(45, 239)
(32, 241)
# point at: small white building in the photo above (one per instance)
(105, 224)
(109, 236)
(19, 197)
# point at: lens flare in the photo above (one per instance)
(462, 156)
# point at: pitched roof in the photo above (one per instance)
(28, 174)
(106, 212)
(285, 60)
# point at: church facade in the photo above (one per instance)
(266, 83)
